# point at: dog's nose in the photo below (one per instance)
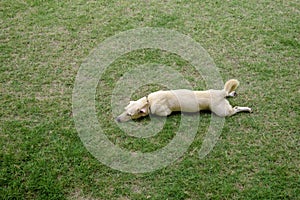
(118, 119)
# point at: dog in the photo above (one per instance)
(163, 103)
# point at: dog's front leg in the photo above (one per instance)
(160, 110)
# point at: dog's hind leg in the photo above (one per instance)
(241, 109)
(231, 111)
(224, 109)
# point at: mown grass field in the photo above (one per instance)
(43, 44)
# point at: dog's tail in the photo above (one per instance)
(231, 85)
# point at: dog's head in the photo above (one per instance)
(135, 110)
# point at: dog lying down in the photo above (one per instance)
(163, 103)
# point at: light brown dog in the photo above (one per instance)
(163, 103)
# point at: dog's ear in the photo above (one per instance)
(143, 110)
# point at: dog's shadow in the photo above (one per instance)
(173, 115)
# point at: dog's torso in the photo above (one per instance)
(164, 102)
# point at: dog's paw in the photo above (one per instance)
(232, 94)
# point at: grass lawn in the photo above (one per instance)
(44, 43)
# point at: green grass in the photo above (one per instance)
(43, 44)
